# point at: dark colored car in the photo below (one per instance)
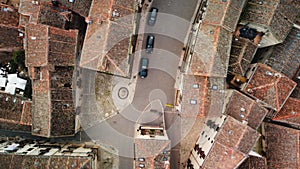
(150, 44)
(152, 16)
(144, 68)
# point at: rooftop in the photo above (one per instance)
(213, 41)
(50, 57)
(283, 140)
(224, 13)
(80, 7)
(211, 52)
(245, 109)
(290, 112)
(153, 151)
(231, 145)
(46, 45)
(275, 16)
(108, 37)
(16, 114)
(269, 86)
(9, 38)
(285, 57)
(9, 16)
(254, 162)
(241, 54)
(46, 13)
(33, 154)
(199, 93)
(201, 96)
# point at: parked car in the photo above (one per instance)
(152, 16)
(150, 43)
(142, 165)
(144, 68)
(141, 159)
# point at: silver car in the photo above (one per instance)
(152, 16)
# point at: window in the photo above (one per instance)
(193, 101)
(195, 86)
(214, 87)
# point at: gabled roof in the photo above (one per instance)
(48, 45)
(213, 41)
(275, 15)
(253, 162)
(224, 13)
(9, 38)
(269, 86)
(211, 52)
(9, 16)
(202, 96)
(80, 7)
(245, 109)
(108, 37)
(15, 113)
(43, 13)
(231, 145)
(50, 57)
(222, 157)
(241, 54)
(286, 56)
(290, 112)
(283, 147)
(23, 153)
(150, 150)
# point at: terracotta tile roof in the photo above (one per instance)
(286, 56)
(29, 154)
(15, 113)
(213, 41)
(282, 147)
(9, 38)
(80, 7)
(206, 92)
(277, 16)
(107, 40)
(222, 157)
(190, 129)
(9, 18)
(29, 9)
(43, 13)
(224, 13)
(290, 112)
(21, 161)
(231, 145)
(235, 134)
(151, 150)
(269, 86)
(46, 45)
(211, 52)
(241, 54)
(244, 108)
(9, 22)
(52, 16)
(253, 162)
(50, 56)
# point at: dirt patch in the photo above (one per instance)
(103, 89)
